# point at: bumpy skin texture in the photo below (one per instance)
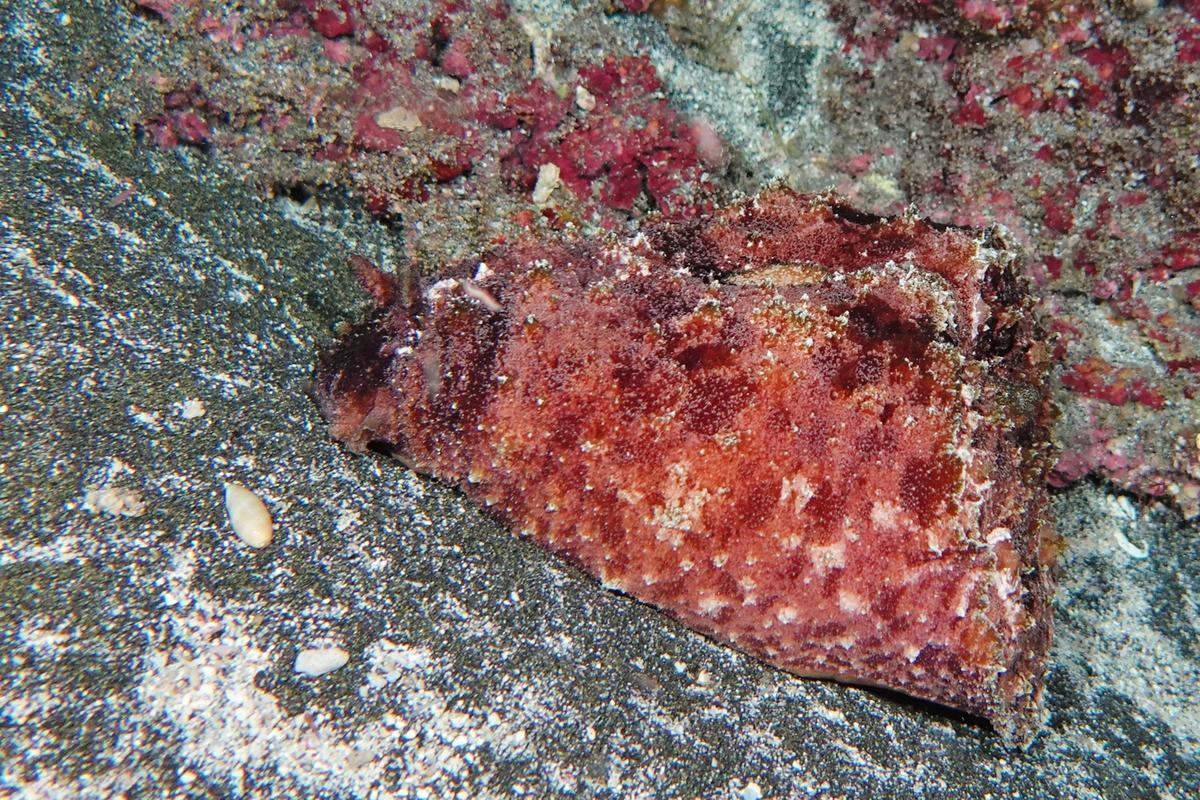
(817, 436)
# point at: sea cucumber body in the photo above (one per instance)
(816, 436)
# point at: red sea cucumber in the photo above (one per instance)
(815, 435)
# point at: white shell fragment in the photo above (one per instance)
(248, 515)
(1132, 550)
(398, 118)
(547, 182)
(476, 292)
(1122, 507)
(316, 662)
(584, 99)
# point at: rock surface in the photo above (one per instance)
(150, 653)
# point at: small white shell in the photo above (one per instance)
(317, 662)
(1132, 550)
(248, 515)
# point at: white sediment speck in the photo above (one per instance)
(148, 419)
(348, 518)
(316, 662)
(229, 728)
(248, 515)
(190, 409)
(118, 501)
(751, 791)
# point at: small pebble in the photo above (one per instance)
(751, 792)
(319, 661)
(584, 99)
(249, 516)
(190, 409)
(398, 118)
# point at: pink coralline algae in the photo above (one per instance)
(182, 120)
(162, 8)
(815, 435)
(635, 6)
(604, 158)
(1076, 126)
(436, 111)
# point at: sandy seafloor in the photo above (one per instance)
(158, 346)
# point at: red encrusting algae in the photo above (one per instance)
(1074, 125)
(430, 111)
(815, 435)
